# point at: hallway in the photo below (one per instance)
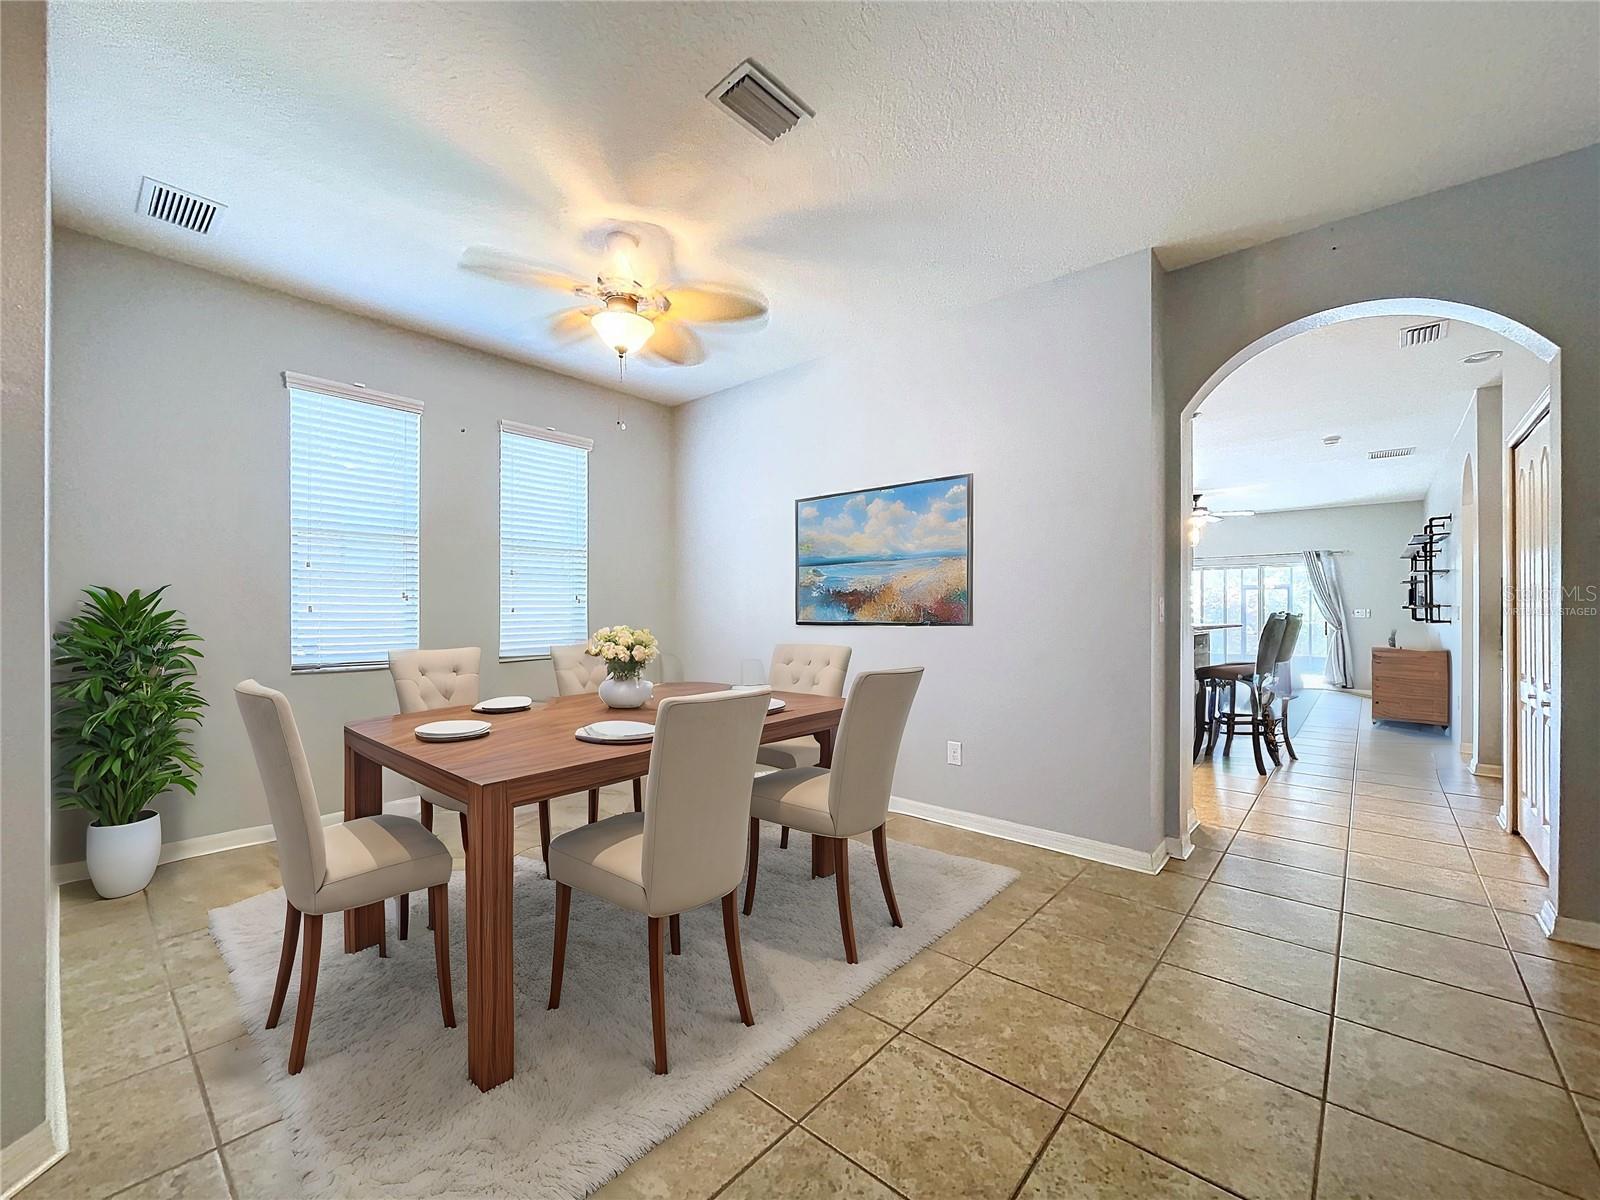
(1374, 871)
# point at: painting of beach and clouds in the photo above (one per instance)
(895, 555)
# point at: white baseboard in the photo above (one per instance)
(1179, 848)
(1489, 770)
(1466, 750)
(194, 847)
(29, 1157)
(1568, 929)
(1149, 862)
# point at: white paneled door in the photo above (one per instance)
(1532, 599)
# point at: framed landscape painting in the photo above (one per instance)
(897, 555)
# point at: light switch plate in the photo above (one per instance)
(1361, 612)
(952, 753)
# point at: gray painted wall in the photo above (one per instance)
(1522, 244)
(1374, 536)
(24, 640)
(169, 458)
(1061, 436)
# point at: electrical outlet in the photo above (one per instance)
(952, 753)
(1361, 612)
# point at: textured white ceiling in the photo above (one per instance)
(960, 151)
(1258, 436)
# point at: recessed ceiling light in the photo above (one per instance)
(1482, 356)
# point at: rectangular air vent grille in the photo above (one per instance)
(1397, 452)
(759, 102)
(163, 202)
(1421, 335)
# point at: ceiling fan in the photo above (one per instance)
(623, 306)
(1200, 516)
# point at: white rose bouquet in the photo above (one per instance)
(624, 650)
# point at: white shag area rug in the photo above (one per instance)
(384, 1107)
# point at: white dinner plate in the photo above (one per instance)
(776, 705)
(503, 704)
(616, 731)
(452, 731)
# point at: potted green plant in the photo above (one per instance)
(126, 703)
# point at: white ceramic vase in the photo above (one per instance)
(122, 858)
(625, 693)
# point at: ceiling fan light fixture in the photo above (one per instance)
(621, 327)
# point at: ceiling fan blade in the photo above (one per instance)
(706, 303)
(485, 260)
(1233, 512)
(572, 325)
(673, 344)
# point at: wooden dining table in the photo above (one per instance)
(528, 757)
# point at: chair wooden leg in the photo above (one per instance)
(310, 959)
(841, 879)
(638, 795)
(427, 816)
(730, 934)
(402, 904)
(439, 916)
(558, 956)
(1199, 717)
(880, 851)
(383, 933)
(544, 830)
(1287, 744)
(1213, 717)
(1255, 730)
(783, 838)
(463, 817)
(676, 936)
(291, 936)
(658, 996)
(594, 805)
(1233, 709)
(755, 861)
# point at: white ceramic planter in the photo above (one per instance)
(122, 858)
(625, 693)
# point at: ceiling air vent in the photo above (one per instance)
(1397, 452)
(759, 102)
(1421, 335)
(184, 209)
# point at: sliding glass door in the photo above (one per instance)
(1244, 592)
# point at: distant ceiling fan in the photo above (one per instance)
(1200, 516)
(633, 318)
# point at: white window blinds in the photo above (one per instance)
(544, 540)
(354, 516)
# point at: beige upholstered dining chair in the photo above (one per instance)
(849, 798)
(684, 850)
(819, 670)
(428, 679)
(329, 870)
(577, 672)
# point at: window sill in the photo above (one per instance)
(339, 670)
(525, 658)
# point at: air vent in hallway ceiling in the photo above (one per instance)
(1398, 452)
(163, 202)
(1421, 335)
(759, 102)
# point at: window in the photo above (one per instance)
(544, 540)
(1246, 592)
(354, 513)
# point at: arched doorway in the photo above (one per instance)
(1541, 348)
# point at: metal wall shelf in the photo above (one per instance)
(1422, 552)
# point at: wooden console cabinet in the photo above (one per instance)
(1411, 685)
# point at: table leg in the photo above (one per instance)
(363, 797)
(491, 1015)
(823, 863)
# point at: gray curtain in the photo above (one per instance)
(1324, 577)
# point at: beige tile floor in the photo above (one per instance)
(1334, 996)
